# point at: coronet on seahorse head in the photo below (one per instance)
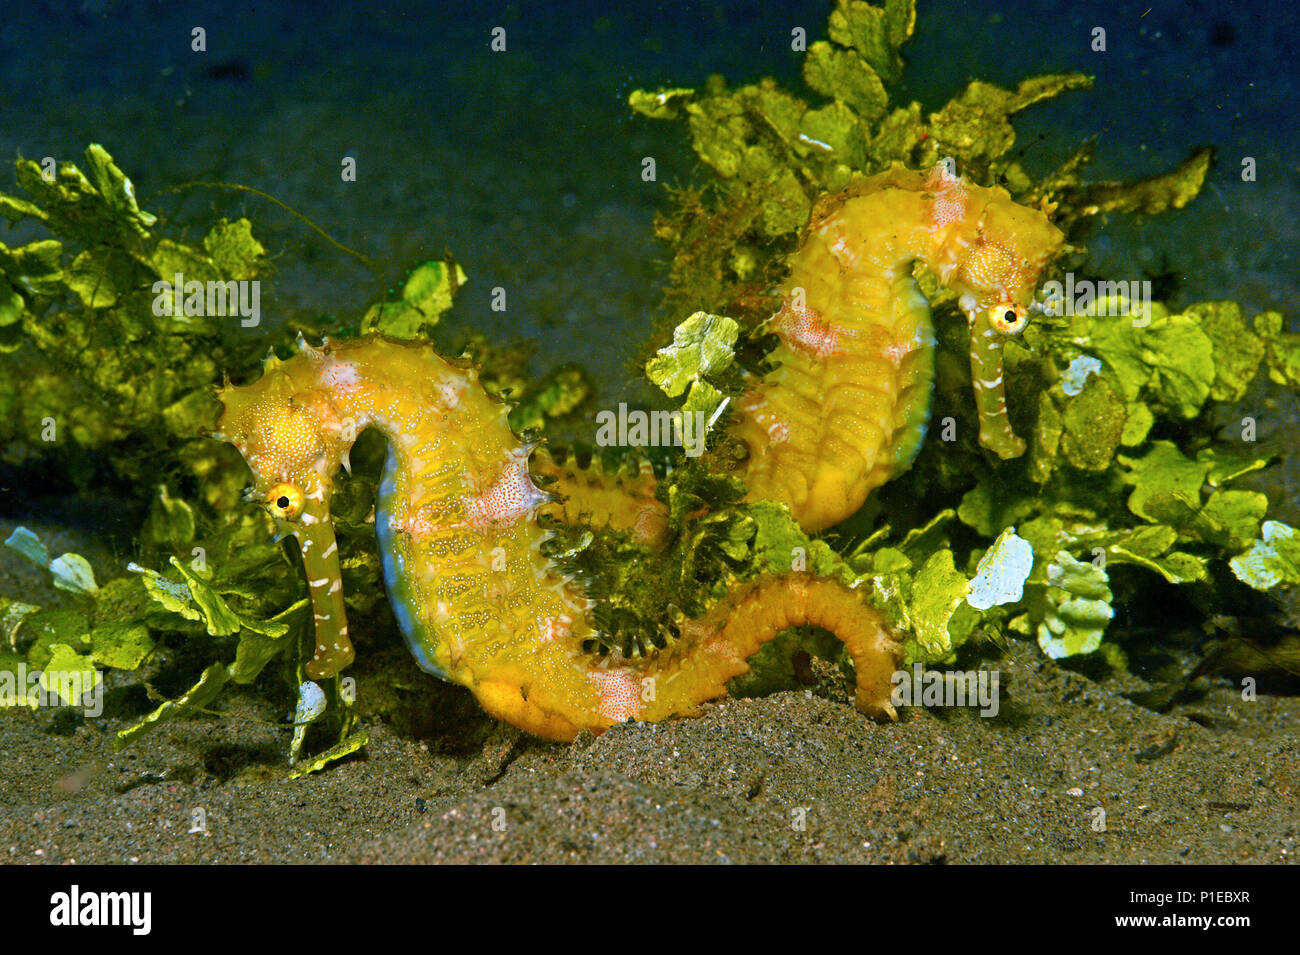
(998, 251)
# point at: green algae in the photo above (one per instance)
(702, 345)
(117, 346)
(1076, 607)
(415, 310)
(105, 355)
(1272, 560)
(350, 744)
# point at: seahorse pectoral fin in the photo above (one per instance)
(986, 370)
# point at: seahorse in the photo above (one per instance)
(847, 408)
(477, 601)
(848, 405)
(457, 515)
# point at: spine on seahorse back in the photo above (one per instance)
(477, 601)
(847, 406)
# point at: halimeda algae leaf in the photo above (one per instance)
(702, 345)
(1078, 607)
(1273, 559)
(1002, 571)
(426, 295)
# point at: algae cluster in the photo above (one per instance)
(1123, 478)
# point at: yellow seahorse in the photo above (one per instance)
(474, 596)
(847, 408)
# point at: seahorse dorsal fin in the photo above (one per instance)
(944, 175)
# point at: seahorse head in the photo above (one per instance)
(286, 429)
(999, 268)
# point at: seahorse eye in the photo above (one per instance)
(1009, 320)
(285, 501)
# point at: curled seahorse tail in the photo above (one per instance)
(736, 628)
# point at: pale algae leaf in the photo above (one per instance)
(702, 345)
(72, 573)
(1073, 378)
(173, 595)
(1273, 559)
(12, 615)
(1001, 573)
(311, 707)
(29, 545)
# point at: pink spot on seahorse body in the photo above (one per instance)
(721, 647)
(619, 692)
(757, 407)
(896, 351)
(843, 243)
(449, 393)
(339, 375)
(553, 628)
(417, 525)
(511, 496)
(804, 329)
(949, 202)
